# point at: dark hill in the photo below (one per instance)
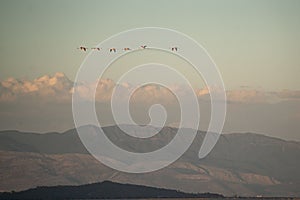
(104, 190)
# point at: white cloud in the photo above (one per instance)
(289, 94)
(46, 88)
(58, 88)
(44, 104)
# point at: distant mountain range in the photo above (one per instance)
(240, 164)
(104, 190)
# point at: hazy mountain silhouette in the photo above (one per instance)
(243, 164)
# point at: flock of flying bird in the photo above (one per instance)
(82, 48)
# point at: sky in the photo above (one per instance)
(254, 43)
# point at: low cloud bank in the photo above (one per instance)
(44, 104)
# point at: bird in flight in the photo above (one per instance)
(96, 48)
(82, 48)
(112, 50)
(174, 48)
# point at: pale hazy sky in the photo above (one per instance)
(254, 43)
